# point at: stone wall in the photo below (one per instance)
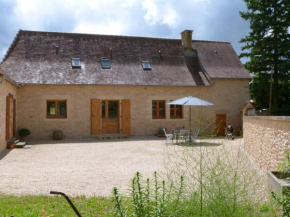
(5, 89)
(266, 138)
(228, 95)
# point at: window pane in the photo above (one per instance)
(146, 65)
(171, 110)
(76, 62)
(112, 110)
(161, 109)
(103, 110)
(179, 111)
(62, 108)
(106, 64)
(154, 109)
(50, 108)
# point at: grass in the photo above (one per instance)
(46, 206)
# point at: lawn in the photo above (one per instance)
(54, 206)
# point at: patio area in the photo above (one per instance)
(88, 167)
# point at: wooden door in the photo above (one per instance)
(221, 123)
(14, 117)
(126, 117)
(95, 116)
(10, 117)
(8, 114)
(110, 116)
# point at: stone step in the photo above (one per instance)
(20, 144)
(16, 141)
(27, 146)
(112, 136)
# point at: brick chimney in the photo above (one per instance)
(186, 38)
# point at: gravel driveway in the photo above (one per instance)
(84, 167)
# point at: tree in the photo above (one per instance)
(267, 46)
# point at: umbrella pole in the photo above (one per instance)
(190, 124)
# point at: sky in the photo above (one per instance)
(216, 20)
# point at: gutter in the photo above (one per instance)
(6, 78)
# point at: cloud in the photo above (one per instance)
(210, 19)
(162, 13)
(109, 28)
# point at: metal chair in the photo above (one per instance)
(169, 136)
(195, 134)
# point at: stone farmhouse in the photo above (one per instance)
(87, 85)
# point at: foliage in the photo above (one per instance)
(284, 165)
(267, 46)
(24, 132)
(46, 206)
(283, 201)
(151, 198)
(197, 185)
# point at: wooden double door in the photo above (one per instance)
(110, 116)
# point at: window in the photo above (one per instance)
(158, 109)
(146, 65)
(106, 63)
(76, 63)
(175, 111)
(56, 109)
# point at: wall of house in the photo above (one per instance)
(228, 96)
(266, 138)
(5, 89)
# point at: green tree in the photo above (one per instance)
(267, 46)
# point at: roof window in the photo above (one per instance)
(76, 63)
(106, 63)
(146, 65)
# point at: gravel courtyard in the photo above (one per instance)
(84, 167)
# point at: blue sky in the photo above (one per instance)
(216, 20)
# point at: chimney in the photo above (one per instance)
(186, 38)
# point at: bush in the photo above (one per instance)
(24, 132)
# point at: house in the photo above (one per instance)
(249, 108)
(86, 84)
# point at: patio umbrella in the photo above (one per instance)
(190, 101)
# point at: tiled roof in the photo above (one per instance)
(32, 58)
(2, 72)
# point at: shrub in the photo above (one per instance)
(24, 132)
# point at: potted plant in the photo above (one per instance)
(279, 181)
(23, 133)
(10, 144)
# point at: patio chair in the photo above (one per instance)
(176, 132)
(184, 135)
(195, 134)
(230, 132)
(169, 136)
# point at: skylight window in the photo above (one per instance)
(106, 63)
(146, 65)
(76, 63)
